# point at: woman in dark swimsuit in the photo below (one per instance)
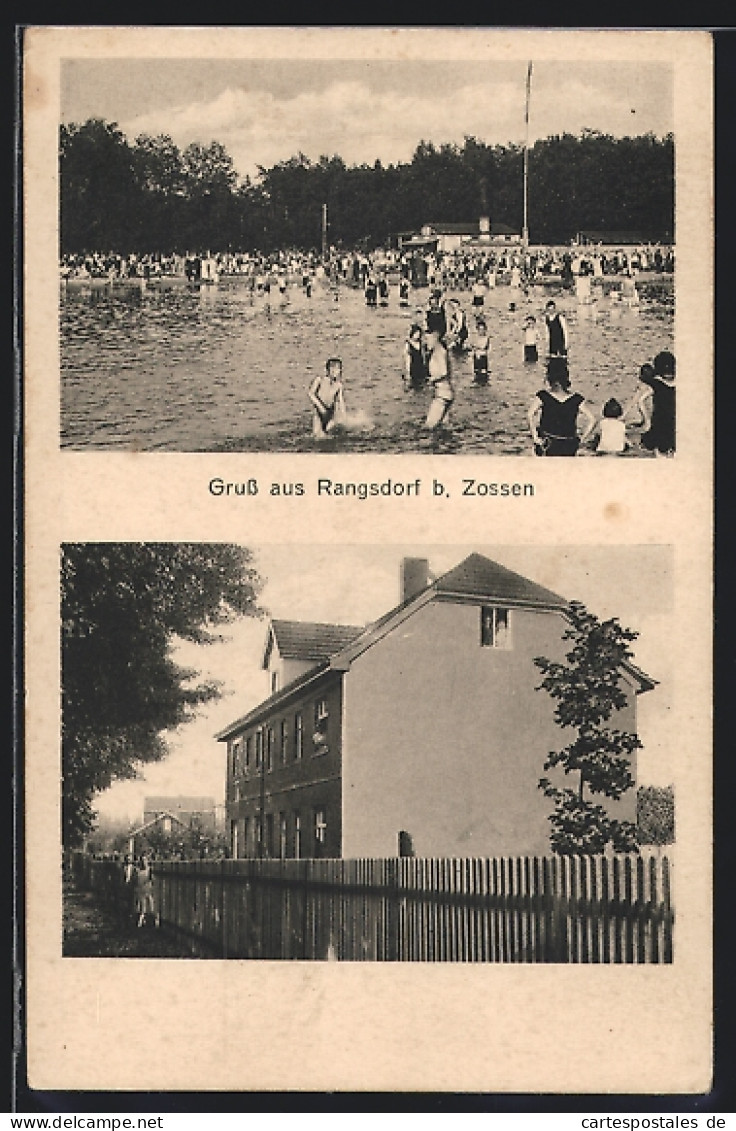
(658, 403)
(415, 367)
(553, 414)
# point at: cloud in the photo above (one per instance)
(362, 123)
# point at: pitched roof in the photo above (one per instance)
(310, 640)
(480, 577)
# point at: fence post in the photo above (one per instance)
(223, 925)
(393, 912)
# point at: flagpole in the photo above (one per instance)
(525, 228)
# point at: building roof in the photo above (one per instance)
(475, 579)
(310, 640)
(154, 821)
(453, 229)
(479, 577)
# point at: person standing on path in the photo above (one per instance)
(144, 901)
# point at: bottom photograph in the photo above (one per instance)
(368, 753)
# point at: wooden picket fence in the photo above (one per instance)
(557, 909)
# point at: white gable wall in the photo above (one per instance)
(446, 739)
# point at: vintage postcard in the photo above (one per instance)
(368, 559)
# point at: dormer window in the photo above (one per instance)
(495, 627)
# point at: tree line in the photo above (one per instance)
(150, 195)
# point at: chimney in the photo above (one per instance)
(414, 577)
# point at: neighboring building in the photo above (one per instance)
(456, 237)
(426, 727)
(191, 812)
(621, 238)
(163, 823)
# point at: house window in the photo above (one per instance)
(297, 836)
(259, 749)
(284, 740)
(321, 715)
(320, 831)
(269, 834)
(237, 756)
(283, 833)
(269, 749)
(246, 830)
(274, 682)
(258, 836)
(234, 839)
(248, 752)
(298, 736)
(495, 627)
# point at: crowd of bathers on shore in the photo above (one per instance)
(459, 269)
(560, 421)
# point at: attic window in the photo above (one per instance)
(274, 682)
(495, 627)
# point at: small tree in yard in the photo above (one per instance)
(587, 689)
(655, 814)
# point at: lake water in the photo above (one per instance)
(187, 369)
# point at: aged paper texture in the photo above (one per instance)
(158, 1024)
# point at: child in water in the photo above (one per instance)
(531, 353)
(611, 429)
(328, 399)
(481, 346)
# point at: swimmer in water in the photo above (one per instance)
(438, 370)
(481, 349)
(328, 399)
(415, 369)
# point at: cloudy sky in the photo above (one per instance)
(356, 585)
(266, 111)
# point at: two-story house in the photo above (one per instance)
(425, 731)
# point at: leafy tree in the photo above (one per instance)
(99, 191)
(587, 690)
(123, 606)
(655, 814)
(158, 164)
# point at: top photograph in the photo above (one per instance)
(368, 256)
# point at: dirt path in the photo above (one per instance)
(94, 931)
